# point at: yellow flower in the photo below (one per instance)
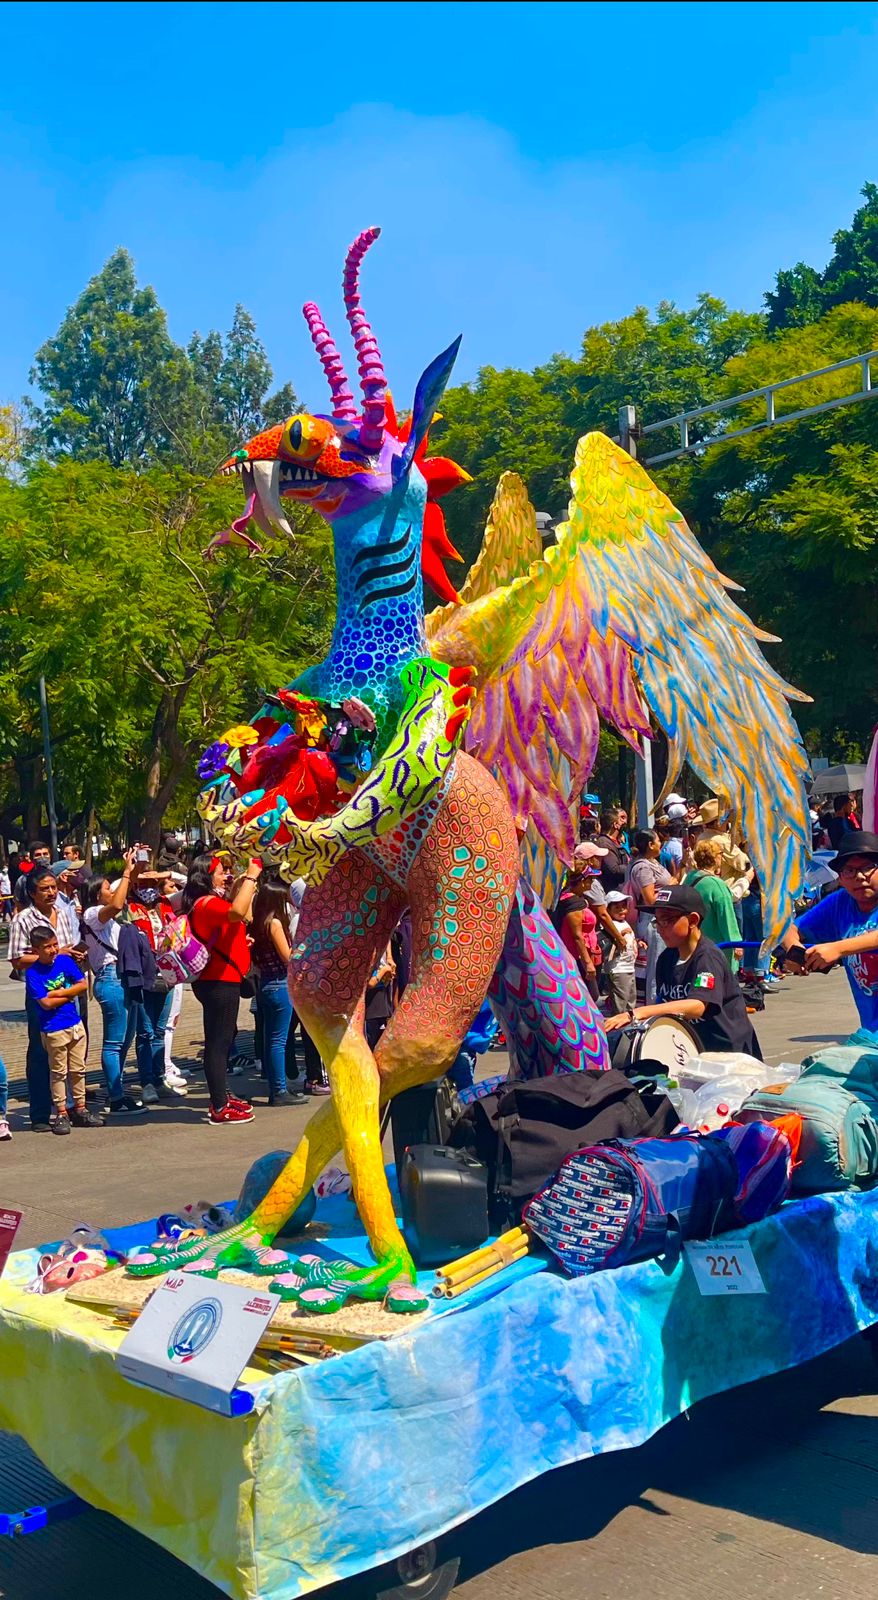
(310, 721)
(242, 734)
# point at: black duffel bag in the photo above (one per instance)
(524, 1131)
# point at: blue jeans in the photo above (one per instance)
(462, 1071)
(150, 1008)
(751, 918)
(37, 1066)
(4, 1087)
(275, 1016)
(119, 1023)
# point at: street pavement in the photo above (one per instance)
(770, 1488)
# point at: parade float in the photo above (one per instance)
(432, 764)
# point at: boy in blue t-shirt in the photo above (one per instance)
(844, 927)
(54, 981)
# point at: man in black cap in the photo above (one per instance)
(694, 979)
(844, 926)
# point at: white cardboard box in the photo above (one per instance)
(194, 1338)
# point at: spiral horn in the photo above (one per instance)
(373, 382)
(343, 403)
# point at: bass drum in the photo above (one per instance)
(666, 1043)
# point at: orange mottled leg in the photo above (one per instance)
(460, 889)
(345, 926)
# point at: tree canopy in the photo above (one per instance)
(792, 513)
(148, 651)
(802, 294)
(117, 389)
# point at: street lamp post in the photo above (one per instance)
(47, 758)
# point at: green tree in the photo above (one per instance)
(792, 513)
(116, 388)
(13, 433)
(107, 372)
(504, 420)
(802, 294)
(661, 363)
(664, 362)
(280, 405)
(244, 377)
(147, 651)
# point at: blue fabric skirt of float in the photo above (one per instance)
(345, 1464)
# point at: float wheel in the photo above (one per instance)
(418, 1575)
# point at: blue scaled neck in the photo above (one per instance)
(379, 595)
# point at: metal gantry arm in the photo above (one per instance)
(718, 407)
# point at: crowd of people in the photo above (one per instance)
(674, 913)
(658, 920)
(634, 897)
(71, 930)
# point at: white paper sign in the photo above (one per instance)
(195, 1336)
(724, 1268)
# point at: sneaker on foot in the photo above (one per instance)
(4, 1130)
(243, 1105)
(174, 1075)
(319, 1088)
(171, 1086)
(81, 1117)
(289, 1097)
(127, 1107)
(149, 1094)
(59, 1122)
(230, 1113)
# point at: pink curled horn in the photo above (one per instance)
(373, 383)
(343, 404)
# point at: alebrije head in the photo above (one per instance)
(338, 463)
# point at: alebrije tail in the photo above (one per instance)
(547, 1014)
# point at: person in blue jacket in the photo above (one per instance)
(482, 1032)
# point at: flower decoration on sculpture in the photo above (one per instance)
(213, 762)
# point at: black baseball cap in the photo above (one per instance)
(855, 843)
(681, 898)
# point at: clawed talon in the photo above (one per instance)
(211, 1251)
(319, 1286)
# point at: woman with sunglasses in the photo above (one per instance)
(844, 927)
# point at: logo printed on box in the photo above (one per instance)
(195, 1330)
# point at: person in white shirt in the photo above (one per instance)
(103, 902)
(43, 905)
(619, 966)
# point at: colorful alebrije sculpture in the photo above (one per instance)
(433, 763)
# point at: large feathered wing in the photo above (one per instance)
(623, 616)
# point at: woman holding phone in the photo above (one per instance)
(219, 910)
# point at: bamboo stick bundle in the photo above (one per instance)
(481, 1264)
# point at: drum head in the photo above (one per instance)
(669, 1041)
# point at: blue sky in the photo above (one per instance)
(535, 167)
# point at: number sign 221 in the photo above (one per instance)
(720, 1268)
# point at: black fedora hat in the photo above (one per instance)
(855, 843)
